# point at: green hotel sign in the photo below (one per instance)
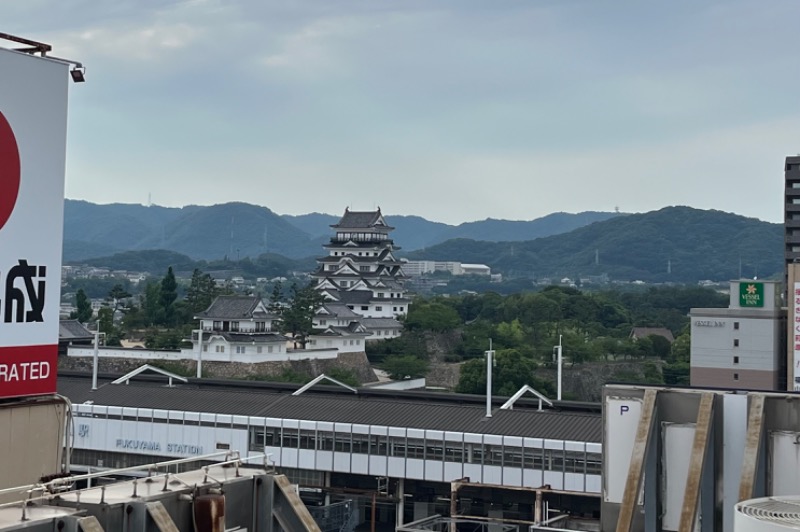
(751, 294)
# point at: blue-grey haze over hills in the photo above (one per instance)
(238, 230)
(673, 244)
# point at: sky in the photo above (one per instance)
(455, 110)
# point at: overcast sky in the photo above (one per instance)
(453, 110)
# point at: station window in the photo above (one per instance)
(736, 376)
(308, 439)
(735, 342)
(736, 360)
(735, 325)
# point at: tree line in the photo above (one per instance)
(163, 313)
(525, 327)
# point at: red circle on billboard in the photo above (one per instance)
(9, 170)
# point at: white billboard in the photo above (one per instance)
(621, 423)
(33, 128)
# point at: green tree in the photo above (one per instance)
(151, 305)
(681, 348)
(433, 316)
(401, 367)
(201, 291)
(169, 339)
(105, 318)
(168, 295)
(511, 371)
(116, 296)
(661, 346)
(84, 307)
(297, 318)
(277, 300)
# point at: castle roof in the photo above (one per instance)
(235, 307)
(361, 219)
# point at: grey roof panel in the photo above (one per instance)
(381, 323)
(73, 330)
(433, 411)
(232, 307)
(355, 297)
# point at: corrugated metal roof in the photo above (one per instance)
(446, 412)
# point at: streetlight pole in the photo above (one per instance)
(560, 363)
(489, 361)
(95, 356)
(200, 353)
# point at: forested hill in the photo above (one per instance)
(414, 232)
(679, 244)
(238, 230)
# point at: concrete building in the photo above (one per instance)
(417, 268)
(742, 346)
(791, 210)
(791, 255)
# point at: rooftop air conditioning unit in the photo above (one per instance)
(770, 514)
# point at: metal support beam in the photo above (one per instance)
(89, 524)
(634, 480)
(289, 510)
(755, 431)
(320, 378)
(161, 517)
(455, 485)
(691, 495)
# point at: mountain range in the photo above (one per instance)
(679, 244)
(239, 230)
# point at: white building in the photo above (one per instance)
(742, 346)
(338, 327)
(417, 268)
(239, 329)
(361, 271)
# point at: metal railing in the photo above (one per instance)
(337, 517)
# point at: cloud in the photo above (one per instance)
(455, 110)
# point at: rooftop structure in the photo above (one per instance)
(404, 447)
(165, 497)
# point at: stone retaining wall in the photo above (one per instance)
(354, 362)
